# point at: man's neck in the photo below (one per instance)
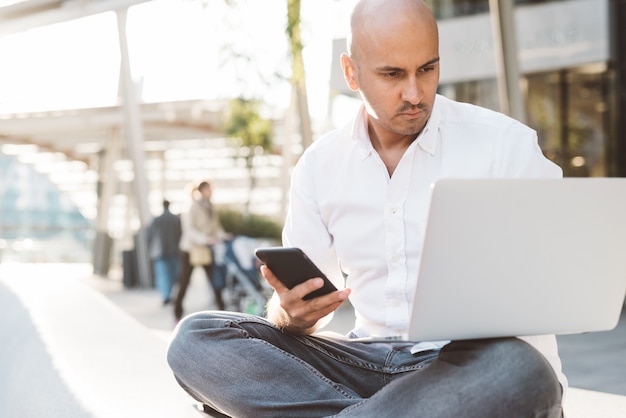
(390, 147)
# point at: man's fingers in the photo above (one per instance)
(298, 291)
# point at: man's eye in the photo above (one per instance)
(391, 74)
(427, 69)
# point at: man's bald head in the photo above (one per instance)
(393, 62)
(377, 16)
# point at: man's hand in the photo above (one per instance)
(289, 311)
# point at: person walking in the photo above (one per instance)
(201, 230)
(163, 237)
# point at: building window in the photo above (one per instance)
(569, 109)
(479, 92)
(444, 9)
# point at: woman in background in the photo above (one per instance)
(200, 230)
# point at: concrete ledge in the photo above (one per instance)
(582, 403)
(67, 351)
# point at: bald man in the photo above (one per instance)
(358, 206)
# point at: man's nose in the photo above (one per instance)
(412, 91)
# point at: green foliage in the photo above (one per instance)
(245, 125)
(254, 226)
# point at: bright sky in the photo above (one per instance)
(177, 51)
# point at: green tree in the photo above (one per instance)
(297, 68)
(251, 135)
(297, 79)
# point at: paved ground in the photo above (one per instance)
(595, 361)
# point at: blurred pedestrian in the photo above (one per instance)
(201, 231)
(163, 237)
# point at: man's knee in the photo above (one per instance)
(533, 378)
(207, 331)
(506, 360)
(508, 371)
(521, 358)
(191, 339)
(498, 351)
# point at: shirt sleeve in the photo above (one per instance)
(304, 226)
(519, 155)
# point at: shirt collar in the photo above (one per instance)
(427, 139)
(359, 132)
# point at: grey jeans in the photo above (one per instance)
(243, 366)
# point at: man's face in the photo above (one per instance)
(396, 71)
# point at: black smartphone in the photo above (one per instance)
(292, 267)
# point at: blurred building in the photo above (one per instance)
(34, 211)
(115, 163)
(572, 62)
(568, 55)
(78, 182)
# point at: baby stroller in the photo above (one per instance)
(245, 290)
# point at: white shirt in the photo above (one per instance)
(350, 217)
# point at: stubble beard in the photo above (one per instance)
(411, 127)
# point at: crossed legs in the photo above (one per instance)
(243, 366)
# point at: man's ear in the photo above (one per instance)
(349, 72)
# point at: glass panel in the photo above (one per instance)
(444, 9)
(479, 92)
(587, 130)
(451, 8)
(521, 2)
(569, 110)
(543, 111)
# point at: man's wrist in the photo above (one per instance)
(277, 315)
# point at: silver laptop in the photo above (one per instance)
(515, 257)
